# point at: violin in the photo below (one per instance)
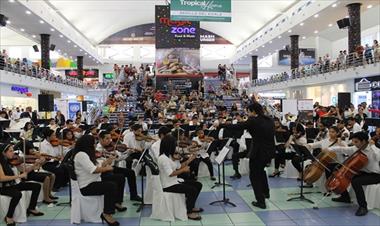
(142, 137)
(67, 143)
(339, 181)
(206, 139)
(314, 171)
(55, 142)
(120, 147)
(115, 135)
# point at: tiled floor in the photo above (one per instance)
(279, 211)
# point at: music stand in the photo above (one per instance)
(219, 183)
(220, 160)
(142, 162)
(300, 150)
(4, 124)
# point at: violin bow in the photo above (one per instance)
(349, 169)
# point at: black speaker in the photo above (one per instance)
(344, 100)
(35, 47)
(343, 23)
(52, 47)
(3, 20)
(45, 102)
(84, 105)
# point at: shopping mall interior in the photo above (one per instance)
(190, 112)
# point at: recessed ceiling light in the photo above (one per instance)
(22, 29)
(42, 22)
(8, 22)
(257, 50)
(68, 41)
(301, 24)
(80, 50)
(369, 6)
(289, 31)
(347, 16)
(90, 57)
(279, 36)
(34, 36)
(75, 46)
(11, 1)
(315, 32)
(61, 36)
(28, 12)
(334, 5)
(303, 37)
(85, 53)
(263, 46)
(270, 41)
(52, 29)
(330, 25)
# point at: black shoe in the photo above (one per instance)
(326, 194)
(36, 214)
(212, 178)
(9, 224)
(53, 197)
(115, 223)
(267, 196)
(259, 205)
(236, 176)
(121, 209)
(275, 174)
(46, 202)
(136, 198)
(341, 199)
(307, 186)
(362, 211)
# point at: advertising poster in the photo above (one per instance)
(177, 62)
(201, 10)
(73, 108)
(175, 34)
(87, 73)
(306, 57)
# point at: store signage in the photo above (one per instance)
(20, 89)
(175, 34)
(87, 73)
(201, 10)
(108, 75)
(367, 84)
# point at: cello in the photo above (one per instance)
(341, 179)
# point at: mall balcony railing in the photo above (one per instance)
(40, 73)
(350, 61)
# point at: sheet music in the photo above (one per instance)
(222, 155)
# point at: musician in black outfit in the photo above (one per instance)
(261, 128)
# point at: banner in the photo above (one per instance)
(73, 108)
(306, 57)
(177, 62)
(201, 10)
(175, 34)
(367, 84)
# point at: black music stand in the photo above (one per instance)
(67, 163)
(222, 155)
(142, 162)
(300, 150)
(219, 183)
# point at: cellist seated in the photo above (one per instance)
(367, 175)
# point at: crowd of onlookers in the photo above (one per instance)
(25, 67)
(362, 55)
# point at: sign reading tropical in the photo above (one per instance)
(201, 10)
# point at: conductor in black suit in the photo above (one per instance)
(262, 150)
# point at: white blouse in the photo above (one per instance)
(167, 166)
(326, 143)
(84, 169)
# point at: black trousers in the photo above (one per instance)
(106, 188)
(61, 174)
(357, 184)
(259, 180)
(37, 176)
(119, 180)
(14, 192)
(296, 160)
(208, 163)
(131, 177)
(236, 159)
(129, 160)
(331, 168)
(281, 156)
(191, 189)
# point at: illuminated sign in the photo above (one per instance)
(20, 89)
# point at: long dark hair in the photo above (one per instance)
(168, 145)
(26, 126)
(86, 144)
(65, 132)
(5, 162)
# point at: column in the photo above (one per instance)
(45, 51)
(354, 30)
(254, 72)
(294, 52)
(80, 67)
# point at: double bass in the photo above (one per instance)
(341, 179)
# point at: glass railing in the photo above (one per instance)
(349, 61)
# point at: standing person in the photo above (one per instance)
(60, 118)
(261, 128)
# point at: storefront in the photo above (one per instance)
(18, 96)
(367, 90)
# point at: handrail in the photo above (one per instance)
(40, 73)
(342, 63)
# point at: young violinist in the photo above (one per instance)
(155, 148)
(11, 185)
(130, 139)
(203, 156)
(53, 125)
(323, 131)
(343, 131)
(279, 158)
(170, 168)
(105, 142)
(368, 175)
(50, 147)
(68, 140)
(27, 131)
(88, 172)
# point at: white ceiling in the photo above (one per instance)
(9, 37)
(98, 19)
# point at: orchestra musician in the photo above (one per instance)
(261, 128)
(170, 168)
(155, 148)
(323, 131)
(105, 142)
(68, 140)
(130, 139)
(368, 175)
(27, 131)
(203, 156)
(11, 185)
(53, 165)
(53, 125)
(343, 131)
(242, 153)
(88, 172)
(280, 157)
